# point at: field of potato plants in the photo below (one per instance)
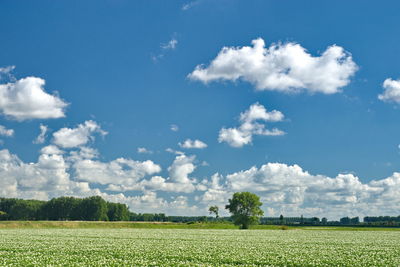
(189, 247)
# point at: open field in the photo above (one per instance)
(169, 225)
(189, 247)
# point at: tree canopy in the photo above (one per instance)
(214, 210)
(245, 209)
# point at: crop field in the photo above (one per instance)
(196, 247)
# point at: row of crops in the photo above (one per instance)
(173, 247)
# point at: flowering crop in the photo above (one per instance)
(188, 247)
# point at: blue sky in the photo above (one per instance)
(119, 74)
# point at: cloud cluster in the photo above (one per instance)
(26, 99)
(290, 190)
(281, 67)
(57, 173)
(74, 137)
(178, 180)
(284, 189)
(251, 124)
(189, 143)
(391, 92)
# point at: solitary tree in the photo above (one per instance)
(245, 209)
(214, 210)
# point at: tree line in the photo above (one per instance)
(244, 207)
(92, 208)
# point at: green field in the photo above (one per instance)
(197, 247)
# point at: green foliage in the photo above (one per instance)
(62, 209)
(117, 212)
(214, 210)
(3, 215)
(94, 209)
(245, 209)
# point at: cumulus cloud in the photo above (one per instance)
(178, 180)
(6, 132)
(188, 143)
(288, 189)
(51, 150)
(74, 137)
(39, 180)
(42, 136)
(121, 171)
(51, 176)
(391, 92)
(251, 125)
(26, 99)
(284, 189)
(281, 67)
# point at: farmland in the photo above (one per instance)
(197, 247)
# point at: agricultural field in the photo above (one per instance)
(197, 247)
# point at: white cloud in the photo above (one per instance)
(391, 92)
(174, 127)
(42, 136)
(188, 143)
(282, 67)
(6, 132)
(26, 99)
(69, 138)
(45, 178)
(6, 72)
(292, 191)
(178, 180)
(284, 189)
(51, 150)
(50, 177)
(250, 125)
(121, 171)
(171, 45)
(143, 150)
(172, 151)
(191, 4)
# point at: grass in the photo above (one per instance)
(169, 225)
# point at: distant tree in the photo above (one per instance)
(324, 220)
(117, 212)
(94, 209)
(62, 209)
(25, 209)
(202, 219)
(245, 209)
(315, 220)
(281, 219)
(214, 210)
(3, 215)
(345, 220)
(355, 220)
